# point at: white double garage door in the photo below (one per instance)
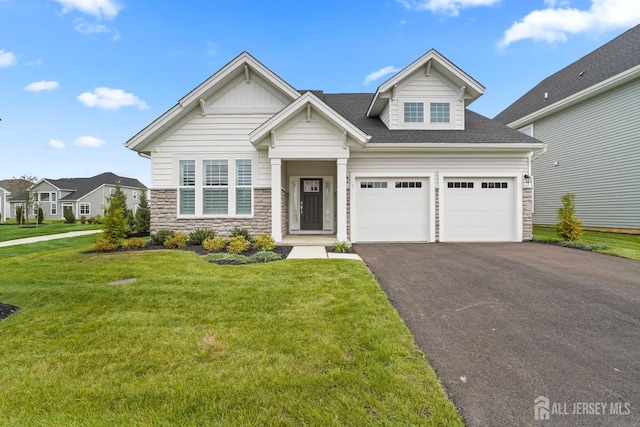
(399, 210)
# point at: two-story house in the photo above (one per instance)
(408, 163)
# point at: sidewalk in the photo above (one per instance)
(47, 238)
(315, 252)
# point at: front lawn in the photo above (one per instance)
(296, 342)
(12, 231)
(622, 245)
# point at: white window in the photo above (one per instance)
(527, 130)
(216, 187)
(85, 208)
(413, 112)
(54, 208)
(187, 186)
(44, 197)
(440, 112)
(134, 195)
(243, 187)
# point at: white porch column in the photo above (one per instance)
(276, 199)
(341, 185)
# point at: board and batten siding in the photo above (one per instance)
(596, 145)
(421, 88)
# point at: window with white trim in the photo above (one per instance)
(44, 197)
(85, 208)
(187, 187)
(134, 195)
(215, 194)
(413, 112)
(440, 112)
(54, 208)
(243, 187)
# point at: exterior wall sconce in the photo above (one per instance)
(527, 179)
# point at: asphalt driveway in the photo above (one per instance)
(503, 324)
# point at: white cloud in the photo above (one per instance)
(58, 145)
(372, 77)
(449, 7)
(88, 141)
(111, 99)
(101, 9)
(41, 86)
(86, 28)
(7, 59)
(558, 23)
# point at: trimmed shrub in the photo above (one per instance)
(98, 219)
(69, 217)
(214, 244)
(90, 220)
(83, 220)
(238, 231)
(265, 256)
(177, 241)
(238, 244)
(135, 243)
(568, 227)
(264, 242)
(40, 215)
(143, 214)
(19, 214)
(104, 245)
(199, 235)
(161, 235)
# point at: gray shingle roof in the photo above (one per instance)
(83, 186)
(613, 58)
(478, 129)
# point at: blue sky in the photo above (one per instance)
(78, 78)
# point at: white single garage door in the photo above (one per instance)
(478, 210)
(392, 209)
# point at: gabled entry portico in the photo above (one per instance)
(308, 145)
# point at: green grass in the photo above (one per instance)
(12, 231)
(296, 342)
(622, 245)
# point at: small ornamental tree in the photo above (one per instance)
(568, 227)
(40, 215)
(19, 211)
(115, 221)
(22, 190)
(143, 214)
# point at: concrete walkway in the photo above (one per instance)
(37, 239)
(316, 252)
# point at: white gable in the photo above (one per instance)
(242, 96)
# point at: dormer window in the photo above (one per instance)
(413, 112)
(440, 112)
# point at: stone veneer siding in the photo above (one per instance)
(164, 208)
(527, 214)
(285, 211)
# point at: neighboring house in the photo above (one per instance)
(589, 115)
(83, 196)
(406, 163)
(4, 203)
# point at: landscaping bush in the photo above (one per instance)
(265, 256)
(135, 243)
(214, 244)
(341, 247)
(19, 213)
(238, 244)
(143, 214)
(98, 219)
(264, 242)
(161, 235)
(176, 241)
(40, 217)
(105, 245)
(238, 231)
(69, 217)
(568, 227)
(83, 220)
(90, 220)
(199, 235)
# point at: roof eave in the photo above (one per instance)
(598, 88)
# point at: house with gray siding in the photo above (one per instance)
(408, 163)
(589, 116)
(4, 203)
(83, 196)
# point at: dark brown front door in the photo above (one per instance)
(311, 204)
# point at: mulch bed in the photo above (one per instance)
(7, 310)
